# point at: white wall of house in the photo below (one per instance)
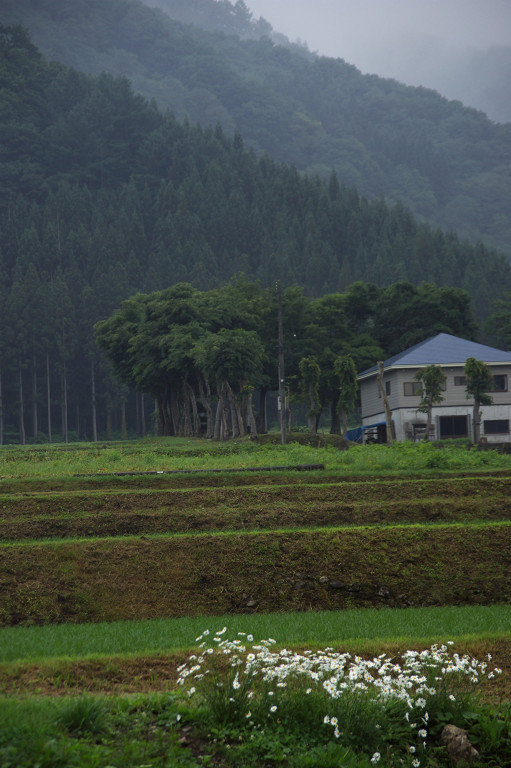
(452, 417)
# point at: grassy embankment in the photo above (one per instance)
(409, 526)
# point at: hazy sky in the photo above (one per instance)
(385, 36)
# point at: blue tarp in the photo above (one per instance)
(355, 435)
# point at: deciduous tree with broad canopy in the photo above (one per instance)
(188, 349)
(479, 383)
(432, 380)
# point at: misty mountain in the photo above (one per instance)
(482, 78)
(450, 164)
(479, 78)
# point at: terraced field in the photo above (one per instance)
(199, 545)
(86, 560)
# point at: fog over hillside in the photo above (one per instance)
(461, 48)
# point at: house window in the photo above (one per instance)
(387, 389)
(496, 426)
(499, 383)
(460, 381)
(453, 426)
(412, 388)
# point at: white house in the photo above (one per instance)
(453, 416)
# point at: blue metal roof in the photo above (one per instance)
(444, 349)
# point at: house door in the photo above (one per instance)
(453, 426)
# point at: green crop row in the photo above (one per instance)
(313, 628)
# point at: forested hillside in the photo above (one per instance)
(102, 196)
(449, 164)
(145, 184)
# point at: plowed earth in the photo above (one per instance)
(63, 515)
(254, 542)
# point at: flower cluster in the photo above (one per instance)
(413, 679)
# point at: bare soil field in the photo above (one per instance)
(201, 545)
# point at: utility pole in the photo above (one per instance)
(282, 389)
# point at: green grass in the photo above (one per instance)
(160, 454)
(87, 732)
(221, 534)
(166, 635)
(164, 731)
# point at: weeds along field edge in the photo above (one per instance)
(161, 454)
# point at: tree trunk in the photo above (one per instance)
(476, 418)
(166, 416)
(65, 430)
(93, 400)
(235, 427)
(187, 422)
(239, 406)
(1, 413)
(335, 422)
(429, 419)
(174, 413)
(225, 418)
(344, 415)
(205, 397)
(35, 420)
(385, 400)
(250, 414)
(159, 421)
(142, 415)
(312, 419)
(124, 426)
(23, 437)
(48, 395)
(281, 368)
(195, 411)
(222, 414)
(241, 418)
(261, 420)
(217, 435)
